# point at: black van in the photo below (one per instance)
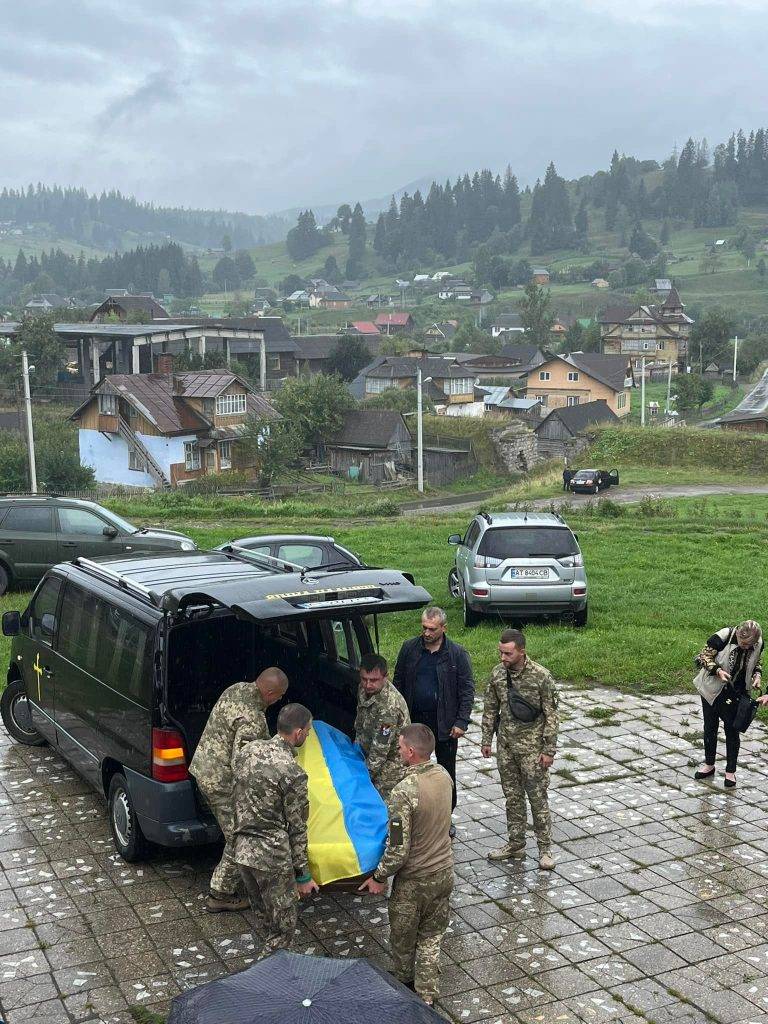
(118, 662)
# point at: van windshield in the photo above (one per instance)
(528, 542)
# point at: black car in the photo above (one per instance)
(303, 549)
(590, 481)
(118, 664)
(37, 531)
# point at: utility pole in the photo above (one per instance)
(419, 435)
(735, 355)
(28, 414)
(642, 392)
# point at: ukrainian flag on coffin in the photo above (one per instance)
(348, 820)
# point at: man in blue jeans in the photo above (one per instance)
(434, 675)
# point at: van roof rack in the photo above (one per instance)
(31, 494)
(117, 578)
(265, 561)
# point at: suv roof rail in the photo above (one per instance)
(124, 582)
(30, 494)
(486, 516)
(265, 561)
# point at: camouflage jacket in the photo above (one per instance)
(237, 718)
(378, 723)
(271, 807)
(536, 685)
(418, 841)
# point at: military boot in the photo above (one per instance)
(220, 902)
(546, 861)
(508, 851)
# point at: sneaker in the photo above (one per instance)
(506, 852)
(546, 862)
(221, 904)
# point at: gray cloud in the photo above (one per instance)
(264, 104)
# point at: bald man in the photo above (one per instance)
(237, 718)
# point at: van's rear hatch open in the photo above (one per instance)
(311, 594)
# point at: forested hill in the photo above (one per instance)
(448, 221)
(113, 221)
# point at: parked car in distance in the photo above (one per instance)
(300, 549)
(37, 531)
(590, 481)
(117, 663)
(519, 564)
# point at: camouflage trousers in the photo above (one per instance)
(275, 905)
(522, 776)
(418, 917)
(225, 880)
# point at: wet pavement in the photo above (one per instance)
(657, 910)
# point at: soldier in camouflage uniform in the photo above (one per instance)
(270, 830)
(237, 718)
(381, 713)
(521, 708)
(419, 855)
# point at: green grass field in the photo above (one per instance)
(659, 584)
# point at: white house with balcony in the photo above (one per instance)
(164, 429)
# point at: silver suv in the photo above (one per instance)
(519, 563)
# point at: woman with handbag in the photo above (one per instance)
(730, 668)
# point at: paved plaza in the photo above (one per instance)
(657, 911)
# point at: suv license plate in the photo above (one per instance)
(529, 574)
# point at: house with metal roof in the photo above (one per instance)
(658, 333)
(164, 429)
(47, 301)
(123, 307)
(507, 323)
(394, 323)
(445, 381)
(751, 414)
(582, 377)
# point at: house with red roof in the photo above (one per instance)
(395, 323)
(364, 327)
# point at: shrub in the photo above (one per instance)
(681, 446)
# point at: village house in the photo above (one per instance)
(328, 296)
(442, 331)
(121, 307)
(558, 431)
(658, 333)
(314, 350)
(164, 429)
(454, 288)
(599, 282)
(47, 301)
(364, 328)
(394, 323)
(507, 323)
(569, 380)
(366, 442)
(450, 383)
(540, 276)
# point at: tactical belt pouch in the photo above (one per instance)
(520, 709)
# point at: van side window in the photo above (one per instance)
(42, 618)
(472, 534)
(29, 519)
(346, 642)
(125, 662)
(79, 629)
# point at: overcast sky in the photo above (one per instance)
(269, 104)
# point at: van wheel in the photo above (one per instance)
(470, 618)
(5, 580)
(580, 618)
(15, 710)
(454, 588)
(126, 831)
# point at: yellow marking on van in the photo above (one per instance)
(38, 669)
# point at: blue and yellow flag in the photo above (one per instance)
(347, 818)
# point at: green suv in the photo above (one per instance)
(37, 531)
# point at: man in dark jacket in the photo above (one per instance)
(434, 674)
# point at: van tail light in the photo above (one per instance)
(169, 761)
(480, 591)
(579, 591)
(571, 561)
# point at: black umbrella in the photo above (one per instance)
(289, 988)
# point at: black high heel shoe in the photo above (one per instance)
(706, 775)
(729, 783)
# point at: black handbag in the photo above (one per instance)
(744, 713)
(520, 709)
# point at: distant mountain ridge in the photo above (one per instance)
(371, 207)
